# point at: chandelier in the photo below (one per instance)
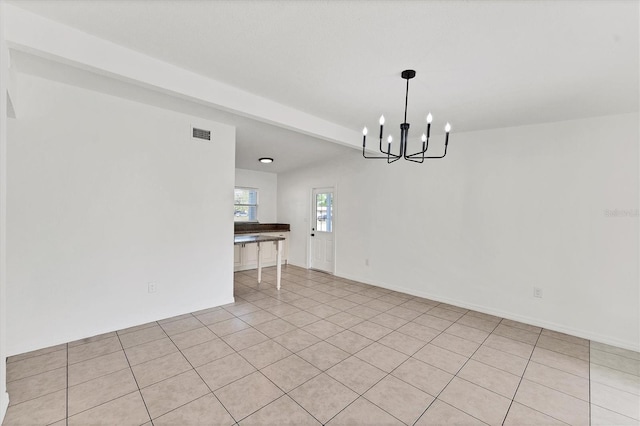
(417, 157)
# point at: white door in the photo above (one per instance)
(322, 230)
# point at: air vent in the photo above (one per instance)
(200, 134)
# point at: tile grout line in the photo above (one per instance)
(291, 398)
(136, 380)
(106, 402)
(86, 381)
(94, 357)
(520, 382)
(456, 375)
(44, 394)
(368, 319)
(556, 390)
(469, 358)
(521, 377)
(283, 393)
(33, 356)
(411, 357)
(361, 395)
(66, 408)
(325, 371)
(613, 353)
(122, 347)
(375, 341)
(395, 368)
(610, 367)
(42, 372)
(257, 370)
(201, 378)
(139, 327)
(97, 377)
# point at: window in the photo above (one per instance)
(324, 211)
(246, 205)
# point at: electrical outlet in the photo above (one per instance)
(537, 292)
(366, 262)
(153, 287)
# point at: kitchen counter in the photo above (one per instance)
(256, 228)
(248, 239)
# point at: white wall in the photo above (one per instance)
(104, 196)
(4, 59)
(267, 185)
(506, 210)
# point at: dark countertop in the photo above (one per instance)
(253, 228)
(255, 239)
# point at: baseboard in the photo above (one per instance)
(504, 314)
(111, 328)
(297, 265)
(4, 404)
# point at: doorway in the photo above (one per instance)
(322, 230)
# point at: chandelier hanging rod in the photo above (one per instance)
(417, 157)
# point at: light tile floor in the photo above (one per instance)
(331, 351)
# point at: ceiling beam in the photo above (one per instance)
(34, 34)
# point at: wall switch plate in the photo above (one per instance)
(153, 287)
(537, 292)
(366, 262)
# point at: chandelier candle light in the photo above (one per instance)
(417, 157)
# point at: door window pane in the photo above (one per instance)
(324, 212)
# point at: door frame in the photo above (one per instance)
(334, 226)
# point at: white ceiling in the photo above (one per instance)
(480, 65)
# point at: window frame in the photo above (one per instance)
(246, 188)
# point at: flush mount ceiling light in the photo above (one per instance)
(265, 160)
(417, 157)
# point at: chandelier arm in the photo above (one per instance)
(414, 160)
(395, 158)
(364, 144)
(414, 156)
(442, 156)
(377, 157)
(382, 150)
(425, 146)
